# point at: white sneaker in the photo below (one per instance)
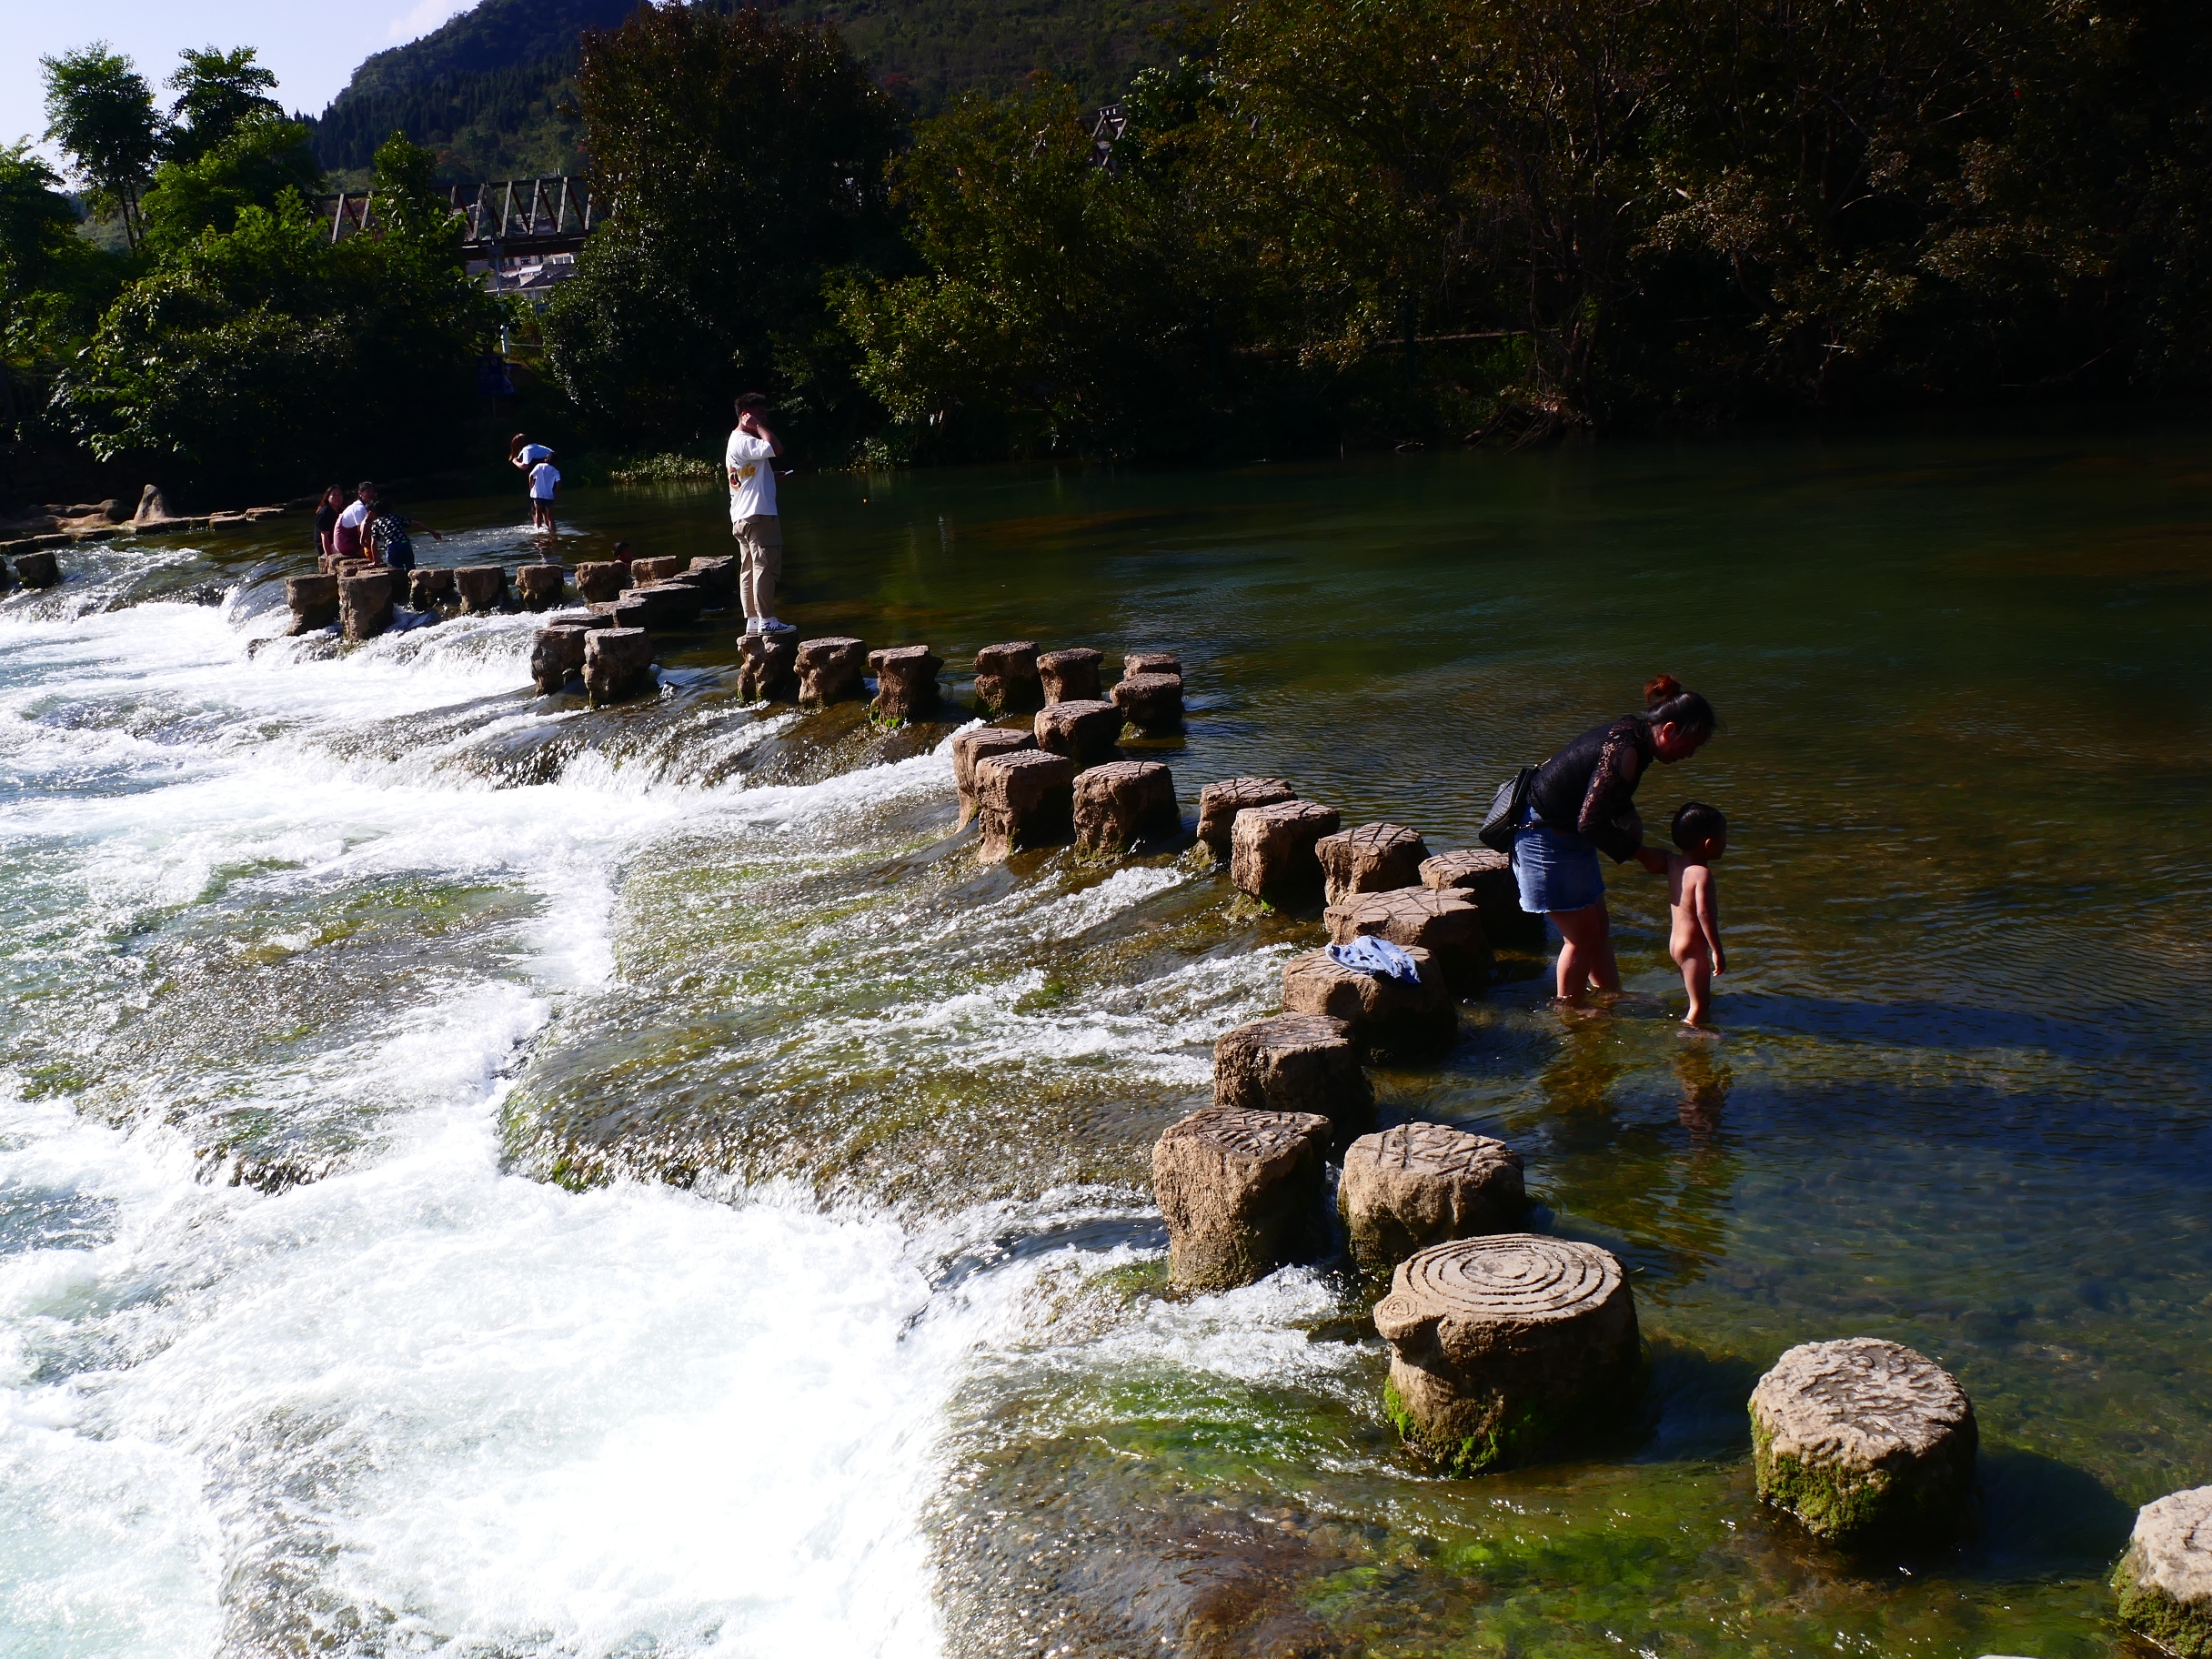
(771, 626)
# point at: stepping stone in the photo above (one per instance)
(1419, 1184)
(767, 667)
(1383, 1013)
(1443, 924)
(1271, 849)
(1071, 676)
(645, 570)
(1294, 1062)
(631, 610)
(1863, 1439)
(716, 578)
(599, 582)
(973, 747)
(538, 585)
(37, 568)
(556, 654)
(483, 587)
(2164, 1578)
(670, 604)
(617, 663)
(365, 604)
(1506, 1348)
(1243, 1193)
(830, 669)
(906, 681)
(1153, 703)
(1025, 798)
(314, 602)
(1150, 662)
(1486, 878)
(1219, 804)
(1373, 859)
(1006, 679)
(429, 587)
(1121, 803)
(1087, 731)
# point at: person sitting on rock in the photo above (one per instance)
(327, 513)
(345, 535)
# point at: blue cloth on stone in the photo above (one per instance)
(1376, 958)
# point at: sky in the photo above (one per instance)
(312, 45)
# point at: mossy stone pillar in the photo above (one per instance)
(1006, 679)
(1243, 1193)
(1862, 1441)
(2165, 1577)
(1507, 1348)
(1153, 703)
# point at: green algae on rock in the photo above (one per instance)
(1863, 1439)
(1505, 1347)
(2165, 1579)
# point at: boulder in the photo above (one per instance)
(1862, 1441)
(1219, 804)
(767, 667)
(37, 568)
(1087, 731)
(364, 604)
(1153, 703)
(1505, 1347)
(1486, 878)
(313, 600)
(1373, 859)
(153, 506)
(1071, 676)
(429, 589)
(667, 604)
(1121, 803)
(1243, 1192)
(906, 682)
(1383, 1013)
(1441, 923)
(1024, 798)
(7, 576)
(2164, 1576)
(975, 745)
(645, 570)
(1294, 1062)
(1419, 1184)
(1150, 662)
(557, 653)
(617, 663)
(537, 587)
(716, 578)
(1271, 849)
(1006, 679)
(483, 587)
(599, 582)
(830, 669)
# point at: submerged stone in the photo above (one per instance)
(38, 568)
(1243, 1192)
(1507, 1348)
(1863, 1439)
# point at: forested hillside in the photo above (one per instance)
(493, 92)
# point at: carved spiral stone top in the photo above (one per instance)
(1857, 1402)
(1516, 1279)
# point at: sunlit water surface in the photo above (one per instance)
(483, 1176)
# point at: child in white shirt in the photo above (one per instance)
(544, 480)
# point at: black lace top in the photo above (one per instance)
(1589, 788)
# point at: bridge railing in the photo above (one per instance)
(507, 217)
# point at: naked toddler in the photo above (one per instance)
(1693, 897)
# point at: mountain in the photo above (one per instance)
(489, 89)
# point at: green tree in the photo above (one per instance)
(101, 112)
(745, 156)
(217, 93)
(253, 165)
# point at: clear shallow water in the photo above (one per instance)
(683, 1204)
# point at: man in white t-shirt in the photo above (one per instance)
(346, 539)
(749, 461)
(545, 479)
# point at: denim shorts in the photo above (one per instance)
(1556, 871)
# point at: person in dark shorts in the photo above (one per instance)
(388, 540)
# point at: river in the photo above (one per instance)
(480, 1176)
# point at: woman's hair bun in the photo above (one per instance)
(1657, 691)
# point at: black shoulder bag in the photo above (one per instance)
(1507, 808)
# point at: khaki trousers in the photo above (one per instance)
(760, 561)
